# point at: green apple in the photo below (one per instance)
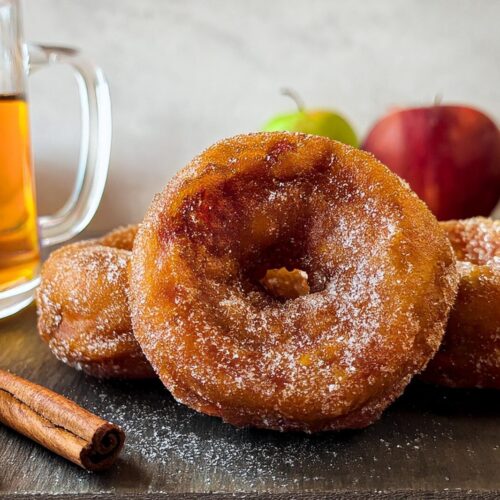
(317, 122)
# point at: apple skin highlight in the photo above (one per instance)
(450, 156)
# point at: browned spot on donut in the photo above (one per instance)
(277, 149)
(325, 162)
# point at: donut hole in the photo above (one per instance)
(284, 270)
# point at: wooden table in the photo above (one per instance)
(431, 443)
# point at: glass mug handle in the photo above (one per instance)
(95, 147)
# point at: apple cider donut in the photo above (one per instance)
(83, 307)
(470, 353)
(381, 278)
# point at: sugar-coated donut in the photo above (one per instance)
(380, 270)
(83, 307)
(470, 353)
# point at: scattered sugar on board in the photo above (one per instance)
(179, 440)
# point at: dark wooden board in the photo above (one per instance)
(431, 443)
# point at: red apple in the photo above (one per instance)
(450, 156)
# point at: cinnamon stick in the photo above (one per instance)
(58, 423)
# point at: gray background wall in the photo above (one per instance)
(184, 73)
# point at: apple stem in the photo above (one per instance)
(295, 97)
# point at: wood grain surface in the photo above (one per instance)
(430, 444)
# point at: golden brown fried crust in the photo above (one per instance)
(381, 273)
(470, 353)
(83, 307)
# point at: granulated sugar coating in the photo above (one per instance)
(475, 240)
(470, 353)
(381, 274)
(83, 307)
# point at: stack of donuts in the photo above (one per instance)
(282, 281)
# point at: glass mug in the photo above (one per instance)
(22, 233)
